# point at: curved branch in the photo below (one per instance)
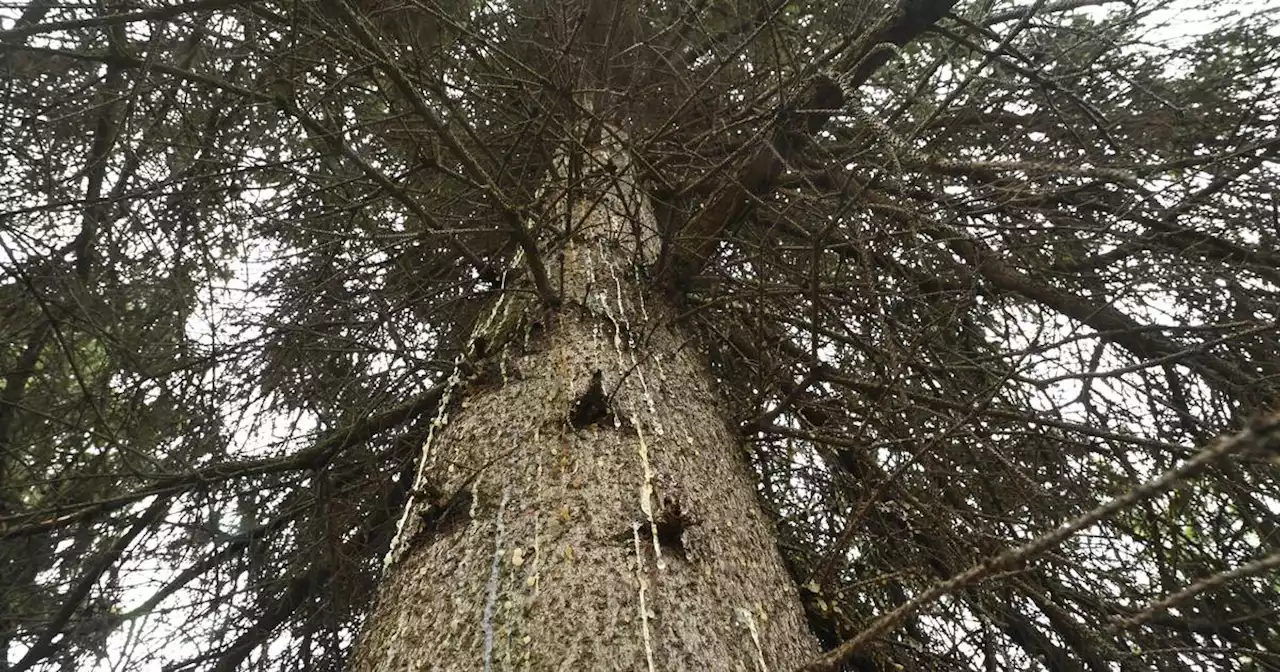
(1263, 437)
(758, 177)
(45, 646)
(313, 457)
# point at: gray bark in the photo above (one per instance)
(549, 531)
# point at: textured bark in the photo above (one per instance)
(631, 542)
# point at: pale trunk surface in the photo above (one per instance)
(632, 543)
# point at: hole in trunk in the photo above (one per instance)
(592, 406)
(671, 524)
(442, 516)
(671, 536)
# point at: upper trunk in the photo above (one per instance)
(586, 505)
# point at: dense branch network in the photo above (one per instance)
(969, 274)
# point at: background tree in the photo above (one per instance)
(967, 277)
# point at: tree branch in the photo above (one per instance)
(758, 177)
(310, 458)
(1262, 437)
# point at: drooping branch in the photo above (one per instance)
(511, 214)
(757, 178)
(305, 590)
(1261, 439)
(315, 456)
(76, 596)
(909, 20)
(799, 121)
(1018, 13)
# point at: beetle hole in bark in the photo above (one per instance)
(624, 334)
(488, 374)
(479, 348)
(671, 536)
(592, 406)
(671, 525)
(447, 514)
(533, 331)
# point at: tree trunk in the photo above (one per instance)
(586, 505)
